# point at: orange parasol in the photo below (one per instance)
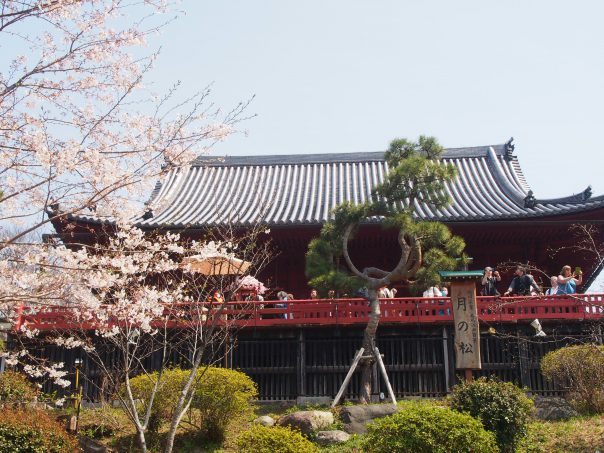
(216, 265)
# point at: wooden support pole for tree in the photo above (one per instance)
(353, 367)
(378, 358)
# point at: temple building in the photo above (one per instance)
(493, 209)
(307, 350)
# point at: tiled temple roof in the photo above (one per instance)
(303, 189)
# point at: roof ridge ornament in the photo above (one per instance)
(530, 201)
(509, 149)
(587, 193)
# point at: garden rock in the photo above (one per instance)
(307, 421)
(332, 437)
(553, 408)
(265, 420)
(89, 445)
(355, 418)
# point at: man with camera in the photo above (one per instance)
(522, 284)
(489, 287)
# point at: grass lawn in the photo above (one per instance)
(581, 434)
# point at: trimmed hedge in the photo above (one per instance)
(427, 428)
(15, 388)
(221, 397)
(33, 431)
(580, 369)
(503, 408)
(275, 439)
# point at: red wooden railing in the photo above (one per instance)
(327, 312)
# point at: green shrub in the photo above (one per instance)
(221, 396)
(580, 370)
(427, 428)
(33, 432)
(172, 381)
(16, 388)
(503, 408)
(276, 439)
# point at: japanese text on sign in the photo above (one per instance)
(465, 318)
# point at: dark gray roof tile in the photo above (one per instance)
(303, 189)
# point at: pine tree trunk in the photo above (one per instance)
(369, 344)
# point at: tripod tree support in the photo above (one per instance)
(353, 367)
(357, 358)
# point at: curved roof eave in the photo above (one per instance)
(246, 190)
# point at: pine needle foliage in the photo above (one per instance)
(417, 175)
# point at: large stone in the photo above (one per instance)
(332, 437)
(553, 408)
(88, 445)
(265, 420)
(355, 418)
(307, 421)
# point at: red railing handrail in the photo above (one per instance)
(407, 310)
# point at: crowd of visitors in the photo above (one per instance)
(522, 284)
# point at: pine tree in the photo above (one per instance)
(417, 175)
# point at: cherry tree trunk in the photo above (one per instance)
(369, 344)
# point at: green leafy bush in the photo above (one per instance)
(168, 392)
(579, 369)
(276, 439)
(503, 408)
(33, 432)
(221, 397)
(427, 428)
(16, 388)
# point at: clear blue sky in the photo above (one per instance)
(349, 75)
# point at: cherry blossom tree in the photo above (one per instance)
(79, 130)
(139, 297)
(82, 133)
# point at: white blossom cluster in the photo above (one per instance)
(118, 287)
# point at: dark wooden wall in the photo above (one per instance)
(310, 361)
(488, 243)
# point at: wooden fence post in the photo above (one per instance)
(523, 360)
(446, 366)
(301, 363)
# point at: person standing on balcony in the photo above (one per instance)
(489, 279)
(314, 294)
(384, 293)
(282, 295)
(554, 289)
(432, 291)
(567, 281)
(522, 284)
